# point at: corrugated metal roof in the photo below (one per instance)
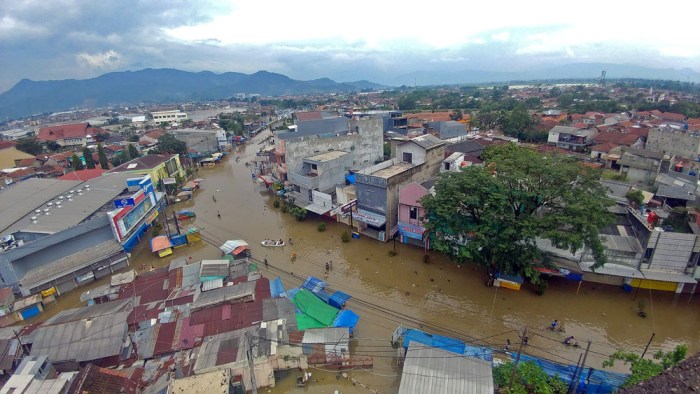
(432, 370)
(213, 284)
(82, 340)
(328, 335)
(209, 268)
(224, 294)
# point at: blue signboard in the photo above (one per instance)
(124, 202)
(411, 231)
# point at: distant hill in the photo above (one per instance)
(155, 86)
(589, 71)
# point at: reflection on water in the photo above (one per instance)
(439, 296)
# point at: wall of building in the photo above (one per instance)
(365, 146)
(417, 152)
(678, 143)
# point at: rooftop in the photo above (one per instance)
(427, 141)
(393, 170)
(67, 203)
(326, 156)
(147, 162)
(434, 370)
(211, 382)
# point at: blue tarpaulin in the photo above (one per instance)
(346, 318)
(178, 240)
(350, 179)
(324, 296)
(338, 299)
(446, 343)
(598, 381)
(277, 288)
(512, 278)
(313, 284)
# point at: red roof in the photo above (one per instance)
(7, 144)
(411, 194)
(27, 162)
(82, 175)
(616, 137)
(309, 115)
(94, 379)
(604, 147)
(431, 116)
(54, 133)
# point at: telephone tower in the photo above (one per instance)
(602, 78)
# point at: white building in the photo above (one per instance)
(168, 116)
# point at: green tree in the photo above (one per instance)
(635, 196)
(104, 163)
(133, 152)
(457, 115)
(529, 378)
(167, 143)
(29, 145)
(517, 123)
(76, 163)
(493, 215)
(387, 151)
(644, 368)
(87, 155)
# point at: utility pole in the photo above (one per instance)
(251, 362)
(517, 359)
(574, 385)
(653, 334)
(25, 352)
(578, 364)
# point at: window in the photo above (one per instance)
(408, 157)
(413, 212)
(314, 167)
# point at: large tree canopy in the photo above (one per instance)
(493, 215)
(167, 143)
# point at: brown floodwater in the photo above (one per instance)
(439, 296)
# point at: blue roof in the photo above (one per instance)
(346, 318)
(338, 299)
(313, 284)
(598, 382)
(445, 343)
(277, 288)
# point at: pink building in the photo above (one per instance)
(411, 213)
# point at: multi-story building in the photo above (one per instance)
(168, 116)
(674, 141)
(377, 187)
(313, 185)
(571, 138)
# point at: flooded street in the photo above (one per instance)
(438, 296)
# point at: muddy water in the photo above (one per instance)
(439, 296)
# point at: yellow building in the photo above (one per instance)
(158, 166)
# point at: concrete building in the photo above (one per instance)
(674, 142)
(202, 142)
(448, 130)
(15, 134)
(571, 138)
(377, 187)
(67, 232)
(411, 213)
(168, 116)
(158, 166)
(361, 138)
(314, 185)
(642, 165)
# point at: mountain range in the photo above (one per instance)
(155, 86)
(170, 85)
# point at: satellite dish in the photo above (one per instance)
(87, 186)
(37, 211)
(80, 193)
(60, 197)
(33, 218)
(50, 204)
(46, 210)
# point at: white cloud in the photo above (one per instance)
(104, 61)
(501, 37)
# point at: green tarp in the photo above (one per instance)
(313, 307)
(305, 322)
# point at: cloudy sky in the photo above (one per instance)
(345, 41)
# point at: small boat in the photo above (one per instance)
(185, 214)
(272, 242)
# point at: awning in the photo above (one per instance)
(232, 245)
(160, 242)
(368, 217)
(321, 210)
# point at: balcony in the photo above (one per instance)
(308, 181)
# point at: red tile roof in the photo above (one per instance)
(616, 137)
(7, 144)
(308, 115)
(431, 116)
(93, 379)
(27, 162)
(604, 147)
(76, 130)
(82, 175)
